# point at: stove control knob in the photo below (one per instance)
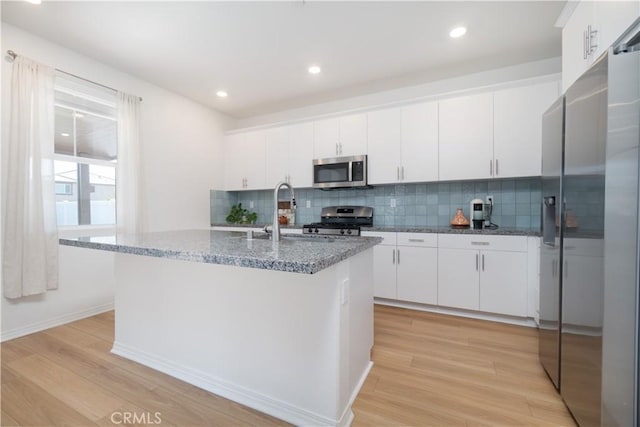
(348, 231)
(316, 230)
(341, 231)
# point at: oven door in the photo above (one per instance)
(340, 172)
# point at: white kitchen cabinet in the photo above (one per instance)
(406, 271)
(417, 274)
(491, 279)
(420, 142)
(384, 152)
(517, 140)
(301, 155)
(246, 152)
(277, 155)
(403, 144)
(384, 272)
(591, 29)
(340, 136)
(466, 137)
(503, 282)
(289, 153)
(458, 274)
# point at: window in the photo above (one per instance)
(85, 153)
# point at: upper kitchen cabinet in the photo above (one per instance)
(466, 137)
(245, 154)
(403, 144)
(591, 29)
(340, 136)
(517, 139)
(289, 150)
(384, 158)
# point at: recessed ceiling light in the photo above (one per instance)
(64, 134)
(314, 69)
(458, 32)
(222, 94)
(34, 1)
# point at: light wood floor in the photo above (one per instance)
(429, 370)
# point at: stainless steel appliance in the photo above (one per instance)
(478, 215)
(340, 172)
(341, 221)
(589, 265)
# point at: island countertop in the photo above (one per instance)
(296, 254)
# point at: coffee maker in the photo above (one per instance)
(478, 215)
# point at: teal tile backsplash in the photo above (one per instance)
(516, 202)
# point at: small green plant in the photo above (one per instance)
(239, 215)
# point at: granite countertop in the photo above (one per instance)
(416, 229)
(296, 254)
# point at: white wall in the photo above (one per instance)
(543, 70)
(181, 160)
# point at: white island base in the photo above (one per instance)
(295, 346)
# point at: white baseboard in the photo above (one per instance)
(347, 416)
(53, 322)
(242, 395)
(512, 320)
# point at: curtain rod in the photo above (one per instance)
(13, 56)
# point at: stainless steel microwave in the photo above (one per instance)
(340, 172)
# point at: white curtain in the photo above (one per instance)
(29, 234)
(128, 194)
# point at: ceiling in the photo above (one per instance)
(259, 52)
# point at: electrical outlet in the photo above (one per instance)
(251, 204)
(393, 203)
(490, 200)
(308, 203)
(344, 290)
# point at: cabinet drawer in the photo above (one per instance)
(481, 242)
(388, 238)
(429, 240)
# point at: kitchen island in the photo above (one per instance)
(287, 331)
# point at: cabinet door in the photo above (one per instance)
(503, 282)
(417, 274)
(301, 155)
(254, 158)
(277, 155)
(458, 278)
(353, 135)
(611, 18)
(419, 142)
(384, 272)
(325, 138)
(466, 137)
(517, 118)
(574, 59)
(384, 146)
(234, 165)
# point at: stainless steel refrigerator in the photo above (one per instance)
(589, 256)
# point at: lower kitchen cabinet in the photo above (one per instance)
(405, 267)
(458, 285)
(492, 279)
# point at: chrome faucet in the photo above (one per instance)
(275, 231)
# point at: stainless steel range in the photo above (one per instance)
(341, 221)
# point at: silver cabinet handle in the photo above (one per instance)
(497, 173)
(416, 240)
(398, 172)
(482, 262)
(476, 262)
(398, 256)
(393, 260)
(590, 35)
(341, 148)
(480, 243)
(337, 149)
(490, 167)
(584, 45)
(566, 269)
(403, 173)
